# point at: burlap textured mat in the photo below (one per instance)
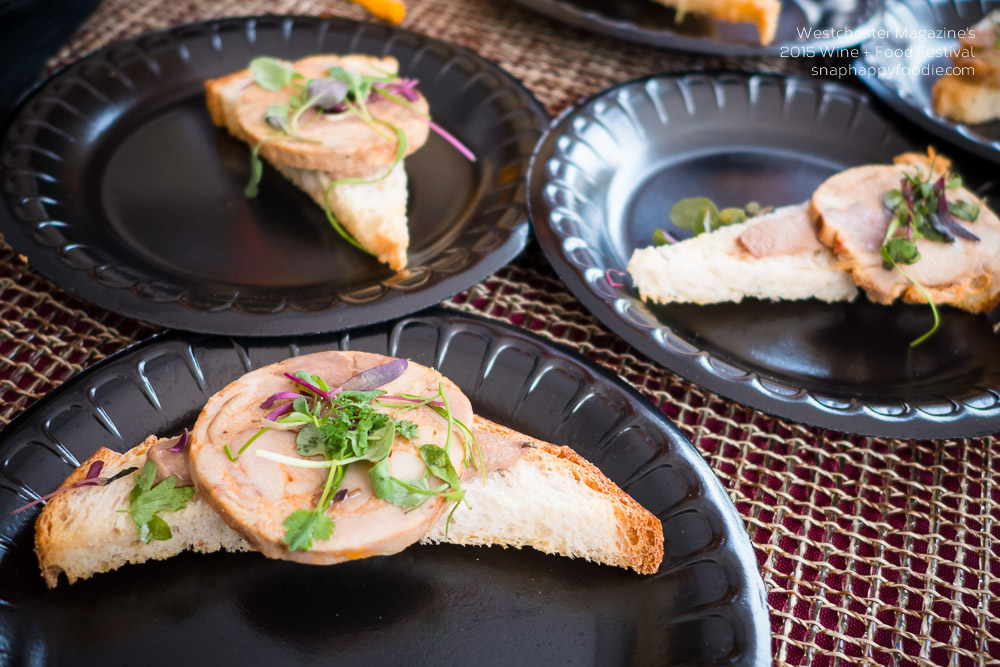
(873, 551)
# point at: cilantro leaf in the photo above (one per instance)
(146, 500)
(407, 429)
(303, 526)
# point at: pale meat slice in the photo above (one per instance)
(344, 147)
(255, 495)
(853, 222)
(781, 235)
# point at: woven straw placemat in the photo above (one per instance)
(873, 551)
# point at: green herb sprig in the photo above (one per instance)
(920, 210)
(700, 215)
(344, 427)
(146, 501)
(273, 75)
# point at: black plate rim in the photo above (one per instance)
(748, 390)
(287, 321)
(960, 134)
(753, 593)
(567, 12)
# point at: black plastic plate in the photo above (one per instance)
(117, 186)
(901, 68)
(429, 605)
(609, 170)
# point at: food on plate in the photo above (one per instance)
(880, 218)
(908, 231)
(336, 456)
(338, 127)
(772, 256)
(972, 93)
(761, 13)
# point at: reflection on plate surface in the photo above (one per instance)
(900, 69)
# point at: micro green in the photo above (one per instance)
(146, 501)
(270, 73)
(341, 94)
(343, 426)
(700, 215)
(920, 210)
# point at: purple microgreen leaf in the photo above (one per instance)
(91, 479)
(311, 387)
(944, 215)
(94, 471)
(278, 411)
(181, 442)
(405, 88)
(459, 146)
(373, 378)
(280, 396)
(326, 93)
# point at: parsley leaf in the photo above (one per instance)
(303, 526)
(146, 500)
(407, 429)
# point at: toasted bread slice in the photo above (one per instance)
(979, 50)
(721, 266)
(972, 94)
(554, 500)
(80, 532)
(964, 274)
(550, 499)
(966, 100)
(761, 13)
(375, 213)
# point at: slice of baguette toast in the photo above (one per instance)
(550, 499)
(966, 100)
(556, 501)
(717, 267)
(374, 214)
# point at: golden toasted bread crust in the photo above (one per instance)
(78, 550)
(643, 530)
(49, 522)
